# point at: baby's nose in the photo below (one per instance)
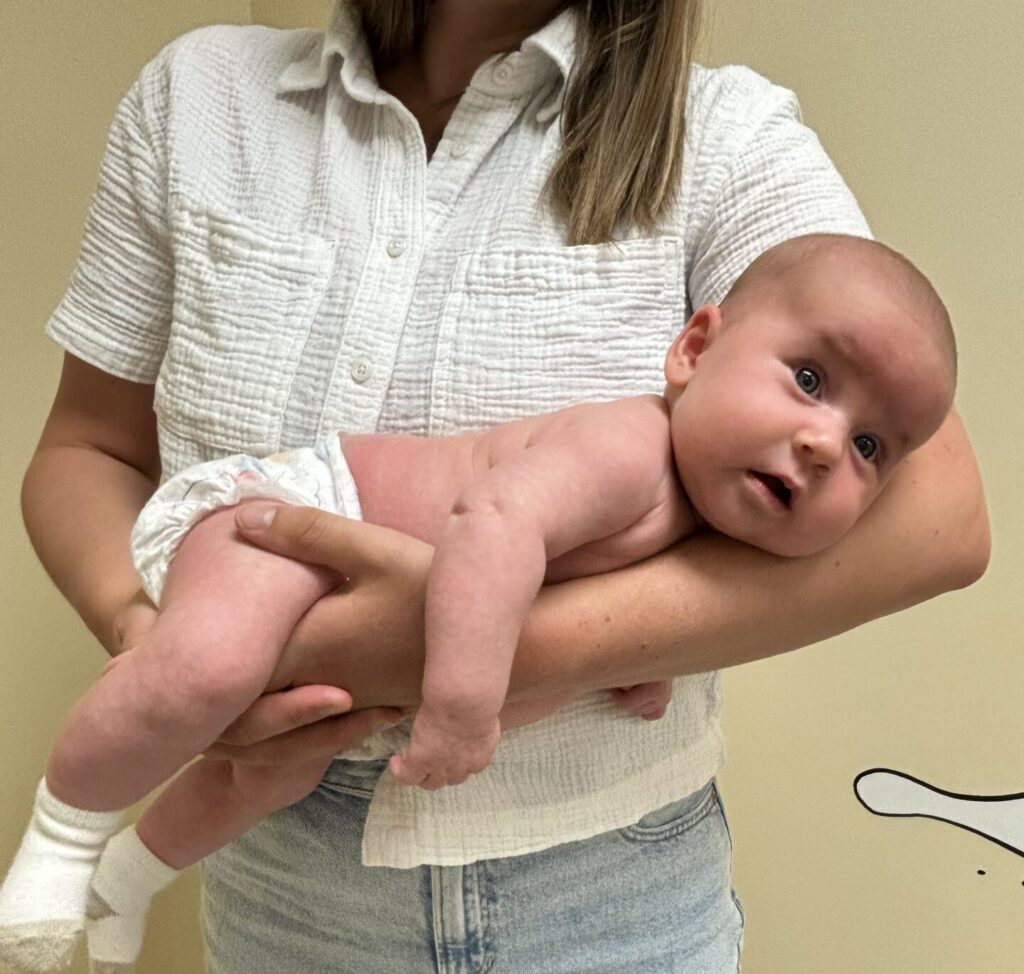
(821, 443)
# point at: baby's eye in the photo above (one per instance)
(807, 379)
(867, 446)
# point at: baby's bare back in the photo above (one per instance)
(411, 483)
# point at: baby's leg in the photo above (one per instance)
(208, 805)
(208, 655)
(229, 608)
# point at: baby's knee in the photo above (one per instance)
(196, 688)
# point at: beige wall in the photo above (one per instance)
(65, 66)
(918, 102)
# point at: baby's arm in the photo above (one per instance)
(578, 481)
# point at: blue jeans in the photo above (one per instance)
(291, 896)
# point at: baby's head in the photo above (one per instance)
(794, 400)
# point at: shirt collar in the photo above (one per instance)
(546, 55)
(342, 37)
(556, 40)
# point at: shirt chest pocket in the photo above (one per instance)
(527, 331)
(245, 297)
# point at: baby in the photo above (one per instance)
(787, 408)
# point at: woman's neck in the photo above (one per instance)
(459, 36)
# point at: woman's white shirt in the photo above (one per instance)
(270, 246)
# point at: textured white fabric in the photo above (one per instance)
(270, 246)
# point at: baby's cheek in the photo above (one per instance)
(831, 527)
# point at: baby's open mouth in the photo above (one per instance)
(776, 485)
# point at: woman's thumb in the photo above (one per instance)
(255, 517)
(304, 533)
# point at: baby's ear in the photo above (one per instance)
(690, 343)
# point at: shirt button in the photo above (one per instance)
(361, 370)
(502, 74)
(459, 150)
(396, 247)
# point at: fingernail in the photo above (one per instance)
(256, 516)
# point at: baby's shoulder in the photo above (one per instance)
(638, 425)
(627, 439)
(630, 432)
(636, 416)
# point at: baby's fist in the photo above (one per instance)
(442, 752)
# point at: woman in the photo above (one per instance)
(294, 233)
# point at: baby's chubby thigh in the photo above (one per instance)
(186, 547)
(321, 477)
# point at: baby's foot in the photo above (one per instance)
(128, 877)
(445, 751)
(42, 900)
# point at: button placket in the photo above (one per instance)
(361, 370)
(380, 303)
(476, 125)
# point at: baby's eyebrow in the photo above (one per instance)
(850, 351)
(847, 349)
(902, 440)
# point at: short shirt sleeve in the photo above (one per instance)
(116, 311)
(761, 177)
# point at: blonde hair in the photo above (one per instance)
(623, 114)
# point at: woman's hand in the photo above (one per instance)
(367, 635)
(294, 726)
(284, 728)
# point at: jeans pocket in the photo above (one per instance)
(737, 903)
(356, 778)
(675, 818)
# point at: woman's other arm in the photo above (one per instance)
(95, 466)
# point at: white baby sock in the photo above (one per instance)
(128, 877)
(42, 900)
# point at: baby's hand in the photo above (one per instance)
(444, 750)
(130, 625)
(133, 621)
(647, 700)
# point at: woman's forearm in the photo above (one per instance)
(706, 604)
(79, 506)
(711, 602)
